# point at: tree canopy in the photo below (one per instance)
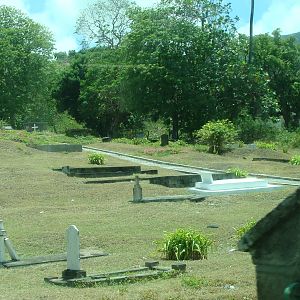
(25, 48)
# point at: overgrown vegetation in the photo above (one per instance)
(96, 159)
(238, 172)
(184, 244)
(217, 135)
(295, 160)
(44, 137)
(244, 228)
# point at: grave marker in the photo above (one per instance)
(137, 190)
(73, 255)
(34, 127)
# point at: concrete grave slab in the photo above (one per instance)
(210, 187)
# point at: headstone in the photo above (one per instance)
(2, 245)
(164, 140)
(73, 255)
(137, 190)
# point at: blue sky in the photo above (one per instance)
(60, 16)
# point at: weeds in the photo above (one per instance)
(245, 228)
(238, 172)
(96, 159)
(295, 160)
(184, 244)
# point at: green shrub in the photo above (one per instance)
(250, 129)
(245, 228)
(64, 122)
(200, 148)
(266, 145)
(184, 244)
(216, 134)
(295, 160)
(238, 172)
(96, 159)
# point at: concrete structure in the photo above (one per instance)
(73, 255)
(210, 187)
(60, 148)
(274, 244)
(137, 190)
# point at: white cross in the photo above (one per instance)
(34, 127)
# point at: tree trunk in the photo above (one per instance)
(251, 33)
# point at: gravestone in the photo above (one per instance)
(209, 187)
(137, 190)
(274, 244)
(164, 140)
(5, 244)
(73, 255)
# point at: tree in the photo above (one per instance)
(104, 22)
(280, 59)
(175, 55)
(25, 49)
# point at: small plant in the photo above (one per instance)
(217, 134)
(265, 145)
(96, 159)
(238, 172)
(184, 244)
(245, 228)
(295, 160)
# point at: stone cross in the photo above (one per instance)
(34, 127)
(73, 248)
(137, 190)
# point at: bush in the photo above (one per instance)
(250, 129)
(65, 122)
(238, 172)
(295, 160)
(245, 228)
(216, 134)
(184, 244)
(96, 159)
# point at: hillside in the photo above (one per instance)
(296, 35)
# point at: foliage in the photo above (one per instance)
(25, 50)
(104, 22)
(216, 134)
(173, 64)
(280, 59)
(184, 244)
(238, 172)
(251, 129)
(295, 160)
(96, 159)
(134, 141)
(154, 129)
(265, 145)
(245, 228)
(64, 122)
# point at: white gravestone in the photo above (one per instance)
(2, 245)
(73, 248)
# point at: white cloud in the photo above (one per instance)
(280, 14)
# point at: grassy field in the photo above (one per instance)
(38, 204)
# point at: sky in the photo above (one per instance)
(60, 16)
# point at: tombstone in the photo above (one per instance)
(73, 255)
(164, 140)
(274, 244)
(208, 186)
(137, 190)
(5, 244)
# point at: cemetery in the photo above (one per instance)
(119, 223)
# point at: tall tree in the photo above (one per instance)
(104, 22)
(25, 49)
(175, 53)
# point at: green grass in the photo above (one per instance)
(38, 204)
(38, 138)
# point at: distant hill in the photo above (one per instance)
(295, 35)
